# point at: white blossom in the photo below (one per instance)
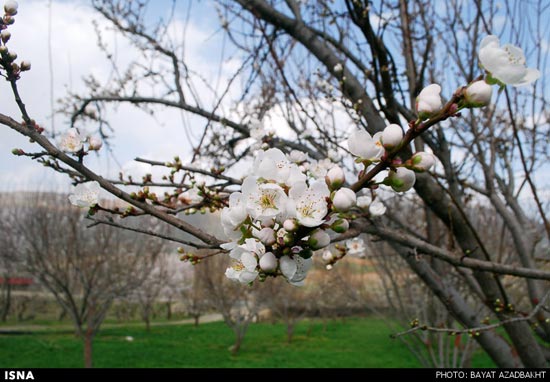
(344, 199)
(377, 208)
(266, 235)
(338, 68)
(318, 169)
(423, 161)
(505, 64)
(318, 239)
(402, 179)
(478, 94)
(268, 262)
(85, 195)
(234, 215)
(327, 256)
(95, 143)
(392, 135)
(364, 146)
(335, 177)
(429, 101)
(308, 204)
(356, 246)
(263, 200)
(71, 141)
(10, 7)
(245, 261)
(297, 156)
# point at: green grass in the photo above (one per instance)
(360, 342)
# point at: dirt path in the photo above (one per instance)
(13, 329)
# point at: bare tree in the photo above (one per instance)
(84, 269)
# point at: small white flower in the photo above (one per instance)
(334, 155)
(422, 161)
(392, 135)
(478, 94)
(272, 164)
(268, 262)
(335, 177)
(290, 225)
(234, 215)
(362, 145)
(364, 201)
(327, 256)
(295, 269)
(344, 199)
(245, 261)
(297, 156)
(308, 204)
(10, 7)
(266, 235)
(338, 68)
(95, 143)
(356, 246)
(318, 169)
(129, 338)
(263, 200)
(85, 195)
(71, 141)
(429, 101)
(318, 239)
(377, 208)
(402, 179)
(506, 64)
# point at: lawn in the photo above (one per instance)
(360, 342)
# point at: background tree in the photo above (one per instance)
(85, 269)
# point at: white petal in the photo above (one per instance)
(288, 267)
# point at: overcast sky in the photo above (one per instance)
(75, 54)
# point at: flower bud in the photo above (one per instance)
(344, 199)
(478, 94)
(268, 262)
(10, 7)
(327, 256)
(338, 68)
(94, 143)
(12, 55)
(392, 136)
(290, 225)
(402, 179)
(318, 239)
(422, 161)
(3, 49)
(26, 65)
(428, 101)
(335, 177)
(340, 226)
(5, 35)
(267, 236)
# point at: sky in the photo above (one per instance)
(74, 55)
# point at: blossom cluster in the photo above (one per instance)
(281, 215)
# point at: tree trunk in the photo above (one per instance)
(88, 348)
(7, 301)
(196, 318)
(289, 332)
(169, 310)
(147, 324)
(238, 342)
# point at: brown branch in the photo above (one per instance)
(89, 174)
(473, 331)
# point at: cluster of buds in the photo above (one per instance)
(188, 257)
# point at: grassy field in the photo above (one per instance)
(360, 342)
